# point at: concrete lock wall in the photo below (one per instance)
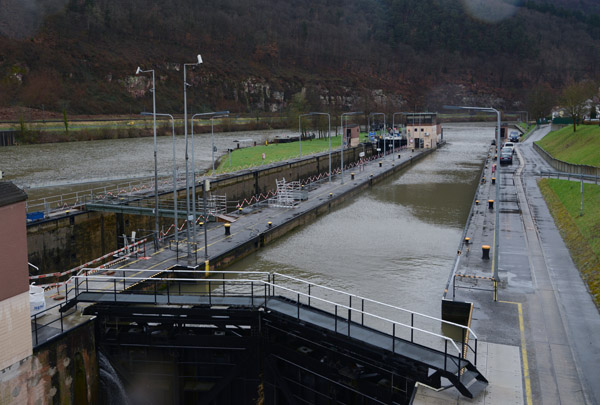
(66, 242)
(62, 371)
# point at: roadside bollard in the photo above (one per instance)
(493, 180)
(467, 240)
(398, 156)
(485, 250)
(201, 224)
(227, 229)
(491, 204)
(483, 180)
(330, 195)
(240, 210)
(476, 202)
(269, 224)
(352, 176)
(380, 164)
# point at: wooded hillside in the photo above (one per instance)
(81, 55)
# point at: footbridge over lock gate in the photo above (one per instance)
(229, 336)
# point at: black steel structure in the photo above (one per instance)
(226, 340)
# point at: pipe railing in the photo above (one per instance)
(259, 291)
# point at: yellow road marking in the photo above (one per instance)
(528, 394)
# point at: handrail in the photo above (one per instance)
(84, 278)
(380, 303)
(372, 315)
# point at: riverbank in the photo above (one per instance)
(124, 128)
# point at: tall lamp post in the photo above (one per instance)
(176, 223)
(300, 130)
(498, 182)
(526, 116)
(212, 132)
(187, 176)
(384, 129)
(394, 128)
(156, 225)
(343, 138)
(194, 176)
(328, 136)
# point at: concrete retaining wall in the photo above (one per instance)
(65, 242)
(276, 232)
(62, 371)
(566, 167)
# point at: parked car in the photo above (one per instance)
(506, 157)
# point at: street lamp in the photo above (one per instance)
(212, 132)
(497, 226)
(393, 129)
(328, 136)
(384, 128)
(300, 130)
(156, 226)
(526, 115)
(187, 176)
(174, 175)
(194, 187)
(343, 137)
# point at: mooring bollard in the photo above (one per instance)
(352, 176)
(485, 250)
(493, 180)
(227, 229)
(491, 204)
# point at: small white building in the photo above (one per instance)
(423, 130)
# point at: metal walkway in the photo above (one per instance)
(411, 339)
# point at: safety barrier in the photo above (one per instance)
(128, 248)
(566, 167)
(266, 285)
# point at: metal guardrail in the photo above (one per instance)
(566, 167)
(571, 176)
(40, 323)
(266, 285)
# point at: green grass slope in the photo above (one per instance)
(581, 147)
(580, 233)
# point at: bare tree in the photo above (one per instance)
(573, 99)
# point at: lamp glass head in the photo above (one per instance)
(139, 69)
(199, 59)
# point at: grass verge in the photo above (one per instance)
(580, 233)
(276, 152)
(579, 147)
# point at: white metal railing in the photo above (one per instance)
(265, 286)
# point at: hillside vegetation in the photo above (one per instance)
(580, 233)
(581, 147)
(81, 55)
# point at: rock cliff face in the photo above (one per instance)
(368, 55)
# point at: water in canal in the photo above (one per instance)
(397, 242)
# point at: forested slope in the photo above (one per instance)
(81, 55)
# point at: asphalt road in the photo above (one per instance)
(562, 322)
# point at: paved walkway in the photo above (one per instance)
(544, 312)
